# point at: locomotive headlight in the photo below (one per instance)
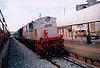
(48, 18)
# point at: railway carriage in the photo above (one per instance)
(4, 43)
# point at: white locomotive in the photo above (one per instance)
(43, 32)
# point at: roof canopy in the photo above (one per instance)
(87, 15)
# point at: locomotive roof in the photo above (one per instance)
(43, 18)
(39, 19)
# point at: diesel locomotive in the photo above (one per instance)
(43, 33)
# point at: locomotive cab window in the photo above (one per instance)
(30, 27)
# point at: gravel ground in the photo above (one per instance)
(21, 57)
(65, 64)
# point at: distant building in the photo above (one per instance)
(82, 6)
(89, 3)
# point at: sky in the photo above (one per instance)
(20, 12)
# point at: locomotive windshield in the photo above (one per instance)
(31, 25)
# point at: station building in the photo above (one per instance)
(83, 21)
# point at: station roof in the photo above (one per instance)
(87, 15)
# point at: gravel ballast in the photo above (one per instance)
(21, 57)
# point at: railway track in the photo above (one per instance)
(54, 63)
(79, 63)
(59, 64)
(71, 60)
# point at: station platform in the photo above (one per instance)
(21, 57)
(81, 48)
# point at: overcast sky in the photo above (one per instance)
(20, 12)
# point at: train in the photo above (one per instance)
(44, 36)
(4, 41)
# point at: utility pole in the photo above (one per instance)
(40, 14)
(64, 11)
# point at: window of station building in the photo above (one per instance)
(30, 27)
